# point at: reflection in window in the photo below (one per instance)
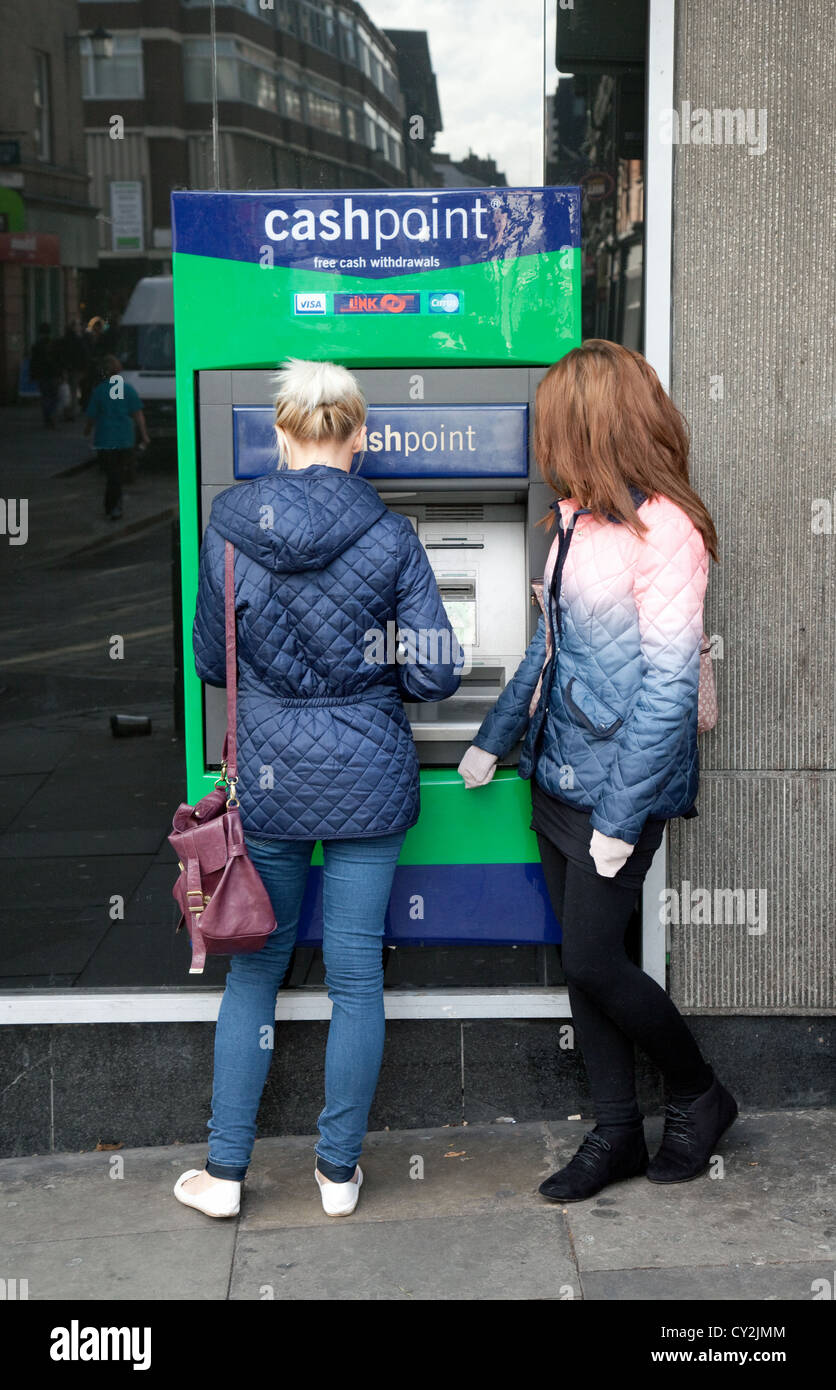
(43, 110)
(291, 101)
(595, 110)
(245, 73)
(323, 111)
(353, 123)
(146, 347)
(251, 6)
(318, 27)
(117, 76)
(325, 25)
(348, 42)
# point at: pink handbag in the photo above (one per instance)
(221, 897)
(707, 712)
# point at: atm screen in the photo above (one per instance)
(462, 615)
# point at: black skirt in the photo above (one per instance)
(570, 831)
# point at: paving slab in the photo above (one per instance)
(52, 886)
(158, 1265)
(767, 1283)
(15, 792)
(31, 938)
(773, 1204)
(408, 1176)
(30, 750)
(79, 844)
(63, 1196)
(514, 1255)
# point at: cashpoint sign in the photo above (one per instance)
(413, 441)
(448, 305)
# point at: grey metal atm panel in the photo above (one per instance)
(220, 390)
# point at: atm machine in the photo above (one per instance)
(465, 298)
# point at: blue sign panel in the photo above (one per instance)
(407, 441)
(464, 905)
(376, 234)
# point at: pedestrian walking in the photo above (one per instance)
(94, 337)
(325, 753)
(605, 700)
(114, 413)
(75, 355)
(45, 368)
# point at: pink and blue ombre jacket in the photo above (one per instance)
(613, 727)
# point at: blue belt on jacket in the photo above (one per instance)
(377, 694)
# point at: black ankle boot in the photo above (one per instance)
(598, 1162)
(691, 1133)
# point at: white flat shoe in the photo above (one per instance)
(339, 1198)
(224, 1199)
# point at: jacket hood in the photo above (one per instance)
(297, 519)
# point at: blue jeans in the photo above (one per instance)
(357, 881)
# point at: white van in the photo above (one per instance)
(145, 347)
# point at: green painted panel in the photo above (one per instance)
(236, 314)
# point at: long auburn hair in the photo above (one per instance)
(603, 422)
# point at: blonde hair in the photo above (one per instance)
(316, 401)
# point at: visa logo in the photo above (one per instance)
(309, 303)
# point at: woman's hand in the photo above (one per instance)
(609, 854)
(477, 767)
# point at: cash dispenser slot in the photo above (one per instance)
(480, 572)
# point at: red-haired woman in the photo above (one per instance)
(606, 699)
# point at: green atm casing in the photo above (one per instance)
(421, 292)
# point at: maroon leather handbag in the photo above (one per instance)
(221, 897)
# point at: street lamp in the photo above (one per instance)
(101, 42)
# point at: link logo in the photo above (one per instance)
(376, 303)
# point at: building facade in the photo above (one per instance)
(48, 228)
(308, 95)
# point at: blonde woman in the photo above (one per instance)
(322, 568)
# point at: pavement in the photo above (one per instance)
(84, 815)
(444, 1214)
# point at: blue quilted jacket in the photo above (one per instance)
(610, 725)
(322, 566)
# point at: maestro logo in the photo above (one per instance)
(447, 303)
(309, 303)
(389, 303)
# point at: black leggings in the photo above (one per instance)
(614, 1003)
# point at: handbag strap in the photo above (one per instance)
(231, 741)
